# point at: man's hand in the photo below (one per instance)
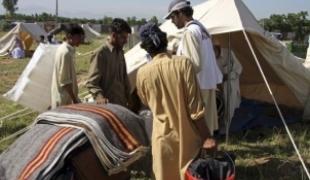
(101, 100)
(210, 144)
(77, 101)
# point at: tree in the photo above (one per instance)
(299, 24)
(107, 20)
(10, 6)
(292, 22)
(154, 20)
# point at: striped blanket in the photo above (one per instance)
(116, 135)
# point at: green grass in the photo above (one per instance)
(268, 153)
(261, 153)
(2, 33)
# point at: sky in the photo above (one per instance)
(145, 8)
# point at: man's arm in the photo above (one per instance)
(69, 89)
(191, 49)
(94, 77)
(65, 75)
(196, 107)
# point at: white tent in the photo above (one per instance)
(90, 33)
(33, 88)
(230, 22)
(96, 27)
(27, 32)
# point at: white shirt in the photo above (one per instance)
(197, 46)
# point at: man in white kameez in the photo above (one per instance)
(196, 44)
(231, 86)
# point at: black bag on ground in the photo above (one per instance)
(220, 166)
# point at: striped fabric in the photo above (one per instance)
(116, 134)
(44, 152)
(111, 129)
(40, 152)
(119, 128)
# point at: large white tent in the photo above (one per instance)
(231, 23)
(26, 32)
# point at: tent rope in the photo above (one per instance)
(276, 104)
(85, 54)
(12, 115)
(18, 114)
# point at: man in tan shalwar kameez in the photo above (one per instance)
(64, 88)
(168, 86)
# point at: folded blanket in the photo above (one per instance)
(40, 152)
(116, 134)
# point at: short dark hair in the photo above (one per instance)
(74, 29)
(147, 43)
(187, 11)
(119, 25)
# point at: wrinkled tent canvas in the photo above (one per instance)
(287, 74)
(33, 88)
(90, 33)
(27, 32)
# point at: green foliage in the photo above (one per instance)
(10, 6)
(292, 22)
(134, 21)
(4, 25)
(106, 20)
(299, 49)
(154, 20)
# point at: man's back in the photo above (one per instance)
(165, 77)
(169, 87)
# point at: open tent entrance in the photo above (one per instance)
(257, 107)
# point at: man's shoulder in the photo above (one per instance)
(181, 59)
(193, 27)
(63, 48)
(103, 48)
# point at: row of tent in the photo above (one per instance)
(29, 33)
(230, 23)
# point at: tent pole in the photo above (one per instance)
(276, 104)
(228, 94)
(56, 12)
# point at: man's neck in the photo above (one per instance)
(112, 43)
(187, 19)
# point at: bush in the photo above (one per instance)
(4, 25)
(299, 49)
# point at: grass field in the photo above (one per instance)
(261, 153)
